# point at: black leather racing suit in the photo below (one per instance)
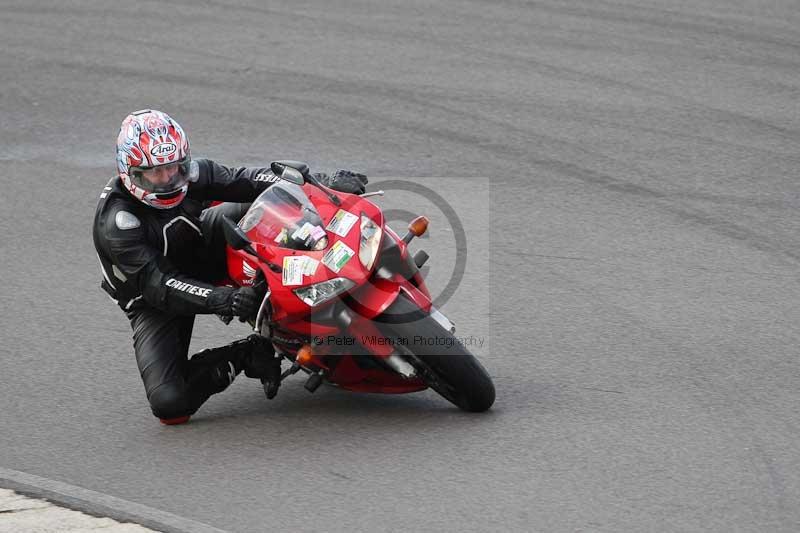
(159, 267)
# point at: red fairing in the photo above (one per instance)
(278, 220)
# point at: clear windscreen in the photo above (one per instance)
(284, 215)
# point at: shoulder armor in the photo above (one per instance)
(125, 220)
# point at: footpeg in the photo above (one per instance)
(313, 382)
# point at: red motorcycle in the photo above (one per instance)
(346, 302)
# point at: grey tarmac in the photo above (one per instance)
(629, 187)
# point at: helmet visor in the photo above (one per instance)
(161, 179)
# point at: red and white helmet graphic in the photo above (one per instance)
(153, 159)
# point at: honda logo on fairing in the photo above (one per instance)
(248, 270)
(163, 149)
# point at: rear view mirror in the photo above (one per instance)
(234, 235)
(291, 171)
(292, 176)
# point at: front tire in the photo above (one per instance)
(444, 363)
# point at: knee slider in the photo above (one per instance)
(170, 400)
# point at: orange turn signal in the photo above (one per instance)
(305, 355)
(418, 226)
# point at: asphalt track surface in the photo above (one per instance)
(636, 168)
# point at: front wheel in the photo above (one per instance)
(442, 361)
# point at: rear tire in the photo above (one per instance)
(444, 363)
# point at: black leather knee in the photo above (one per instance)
(170, 400)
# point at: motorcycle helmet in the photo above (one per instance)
(153, 159)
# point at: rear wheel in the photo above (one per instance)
(442, 361)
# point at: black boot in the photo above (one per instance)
(212, 371)
(215, 368)
(263, 364)
(255, 355)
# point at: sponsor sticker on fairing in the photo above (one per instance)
(341, 223)
(337, 256)
(310, 267)
(297, 266)
(282, 237)
(293, 267)
(308, 230)
(302, 233)
(317, 233)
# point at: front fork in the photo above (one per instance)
(261, 327)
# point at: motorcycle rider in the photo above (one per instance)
(161, 247)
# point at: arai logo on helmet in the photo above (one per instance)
(163, 149)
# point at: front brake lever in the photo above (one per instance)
(315, 182)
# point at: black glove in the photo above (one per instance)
(344, 181)
(242, 302)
